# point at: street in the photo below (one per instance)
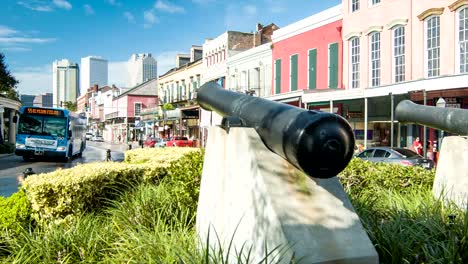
(13, 166)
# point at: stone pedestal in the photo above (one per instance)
(257, 200)
(451, 180)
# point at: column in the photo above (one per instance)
(365, 123)
(331, 106)
(12, 127)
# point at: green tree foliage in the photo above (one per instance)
(70, 106)
(7, 81)
(168, 106)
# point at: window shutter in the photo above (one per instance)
(294, 72)
(333, 67)
(313, 69)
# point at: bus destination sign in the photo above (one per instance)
(43, 111)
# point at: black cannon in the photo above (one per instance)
(320, 144)
(452, 120)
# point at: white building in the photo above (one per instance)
(93, 70)
(251, 71)
(141, 68)
(65, 82)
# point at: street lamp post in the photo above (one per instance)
(442, 104)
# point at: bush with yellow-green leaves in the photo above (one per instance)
(65, 193)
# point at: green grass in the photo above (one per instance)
(155, 223)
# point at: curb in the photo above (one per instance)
(6, 155)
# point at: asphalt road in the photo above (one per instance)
(13, 166)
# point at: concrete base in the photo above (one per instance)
(451, 180)
(259, 201)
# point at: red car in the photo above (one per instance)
(150, 142)
(179, 142)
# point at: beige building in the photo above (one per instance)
(177, 87)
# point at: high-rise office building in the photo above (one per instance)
(93, 70)
(65, 83)
(27, 100)
(44, 100)
(141, 68)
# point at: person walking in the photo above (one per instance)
(417, 146)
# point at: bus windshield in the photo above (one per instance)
(42, 125)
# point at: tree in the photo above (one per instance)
(70, 106)
(7, 81)
(168, 106)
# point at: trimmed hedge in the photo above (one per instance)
(367, 176)
(65, 193)
(15, 212)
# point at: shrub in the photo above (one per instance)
(362, 175)
(78, 190)
(184, 175)
(15, 212)
(7, 148)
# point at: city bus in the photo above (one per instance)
(49, 132)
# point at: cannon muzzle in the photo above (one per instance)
(320, 144)
(452, 120)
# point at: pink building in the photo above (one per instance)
(123, 115)
(411, 49)
(307, 57)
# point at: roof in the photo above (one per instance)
(142, 89)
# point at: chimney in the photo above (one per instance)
(259, 26)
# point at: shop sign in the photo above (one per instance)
(354, 114)
(451, 102)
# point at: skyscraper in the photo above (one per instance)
(27, 100)
(93, 70)
(65, 82)
(44, 100)
(141, 68)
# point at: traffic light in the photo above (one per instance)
(61, 103)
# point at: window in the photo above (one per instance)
(380, 153)
(366, 154)
(432, 26)
(373, 2)
(462, 48)
(399, 54)
(333, 65)
(355, 59)
(293, 72)
(374, 59)
(312, 68)
(137, 109)
(354, 5)
(277, 76)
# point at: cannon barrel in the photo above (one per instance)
(320, 144)
(453, 120)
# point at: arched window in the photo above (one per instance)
(374, 59)
(355, 58)
(398, 54)
(432, 43)
(462, 39)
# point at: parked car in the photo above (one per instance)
(89, 136)
(179, 142)
(405, 157)
(161, 143)
(150, 142)
(98, 139)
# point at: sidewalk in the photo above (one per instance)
(116, 147)
(6, 155)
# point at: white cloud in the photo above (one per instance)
(62, 4)
(203, 2)
(150, 19)
(36, 5)
(250, 10)
(34, 80)
(6, 31)
(11, 40)
(114, 2)
(88, 10)
(16, 49)
(130, 17)
(168, 7)
(118, 73)
(166, 61)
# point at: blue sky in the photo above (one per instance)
(34, 33)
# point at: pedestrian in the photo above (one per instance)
(430, 150)
(417, 146)
(119, 138)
